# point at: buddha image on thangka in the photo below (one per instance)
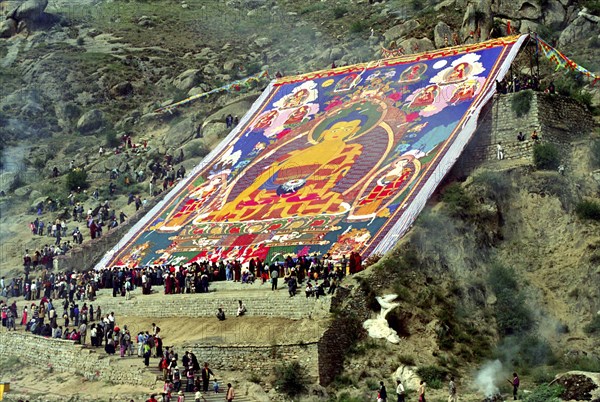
(323, 165)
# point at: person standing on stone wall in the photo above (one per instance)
(499, 151)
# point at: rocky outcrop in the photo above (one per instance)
(400, 31)
(30, 10)
(554, 14)
(414, 45)
(91, 122)
(518, 9)
(122, 89)
(442, 34)
(188, 79)
(8, 28)
(581, 28)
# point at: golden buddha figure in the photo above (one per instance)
(299, 182)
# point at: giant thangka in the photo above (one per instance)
(334, 161)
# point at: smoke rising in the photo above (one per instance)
(487, 377)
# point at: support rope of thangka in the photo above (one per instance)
(232, 86)
(333, 161)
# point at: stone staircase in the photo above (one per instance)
(210, 396)
(260, 301)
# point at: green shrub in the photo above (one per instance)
(358, 26)
(512, 315)
(521, 102)
(497, 185)
(541, 375)
(459, 203)
(433, 375)
(255, 377)
(594, 326)
(588, 209)
(290, 378)
(582, 363)
(593, 6)
(339, 11)
(585, 98)
(545, 393)
(111, 139)
(534, 351)
(595, 154)
(407, 360)
(546, 156)
(346, 397)
(77, 178)
(312, 8)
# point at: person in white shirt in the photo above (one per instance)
(400, 391)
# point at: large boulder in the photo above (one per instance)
(8, 28)
(179, 133)
(554, 14)
(414, 45)
(580, 29)
(400, 31)
(442, 34)
(122, 89)
(188, 79)
(29, 10)
(91, 122)
(517, 9)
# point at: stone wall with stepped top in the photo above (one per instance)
(559, 120)
(277, 304)
(64, 356)
(258, 359)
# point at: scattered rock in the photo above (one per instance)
(179, 133)
(529, 26)
(198, 90)
(7, 179)
(517, 9)
(554, 14)
(8, 28)
(188, 79)
(580, 29)
(30, 10)
(336, 53)
(122, 89)
(414, 45)
(442, 34)
(229, 65)
(400, 31)
(91, 122)
(407, 375)
(263, 42)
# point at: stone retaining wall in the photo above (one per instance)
(278, 304)
(258, 359)
(64, 356)
(557, 119)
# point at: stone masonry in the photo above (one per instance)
(64, 356)
(557, 119)
(277, 304)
